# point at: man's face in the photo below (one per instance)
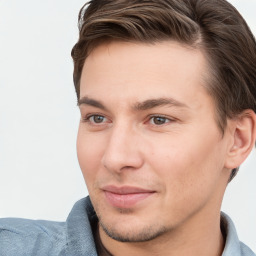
(150, 150)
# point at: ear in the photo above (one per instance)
(243, 138)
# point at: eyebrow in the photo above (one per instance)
(91, 102)
(152, 103)
(138, 106)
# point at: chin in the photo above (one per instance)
(126, 231)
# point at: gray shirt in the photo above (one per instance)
(21, 237)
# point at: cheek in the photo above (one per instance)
(188, 174)
(89, 152)
(186, 163)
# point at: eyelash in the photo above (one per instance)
(169, 120)
(87, 118)
(151, 117)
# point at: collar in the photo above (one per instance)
(80, 239)
(233, 246)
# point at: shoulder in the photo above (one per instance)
(74, 237)
(23, 237)
(245, 250)
(233, 246)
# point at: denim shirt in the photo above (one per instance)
(21, 237)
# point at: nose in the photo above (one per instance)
(123, 150)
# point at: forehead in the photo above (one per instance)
(127, 71)
(169, 54)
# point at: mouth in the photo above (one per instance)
(126, 196)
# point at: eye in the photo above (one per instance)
(159, 120)
(95, 119)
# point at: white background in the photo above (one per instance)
(39, 174)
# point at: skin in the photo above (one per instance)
(171, 146)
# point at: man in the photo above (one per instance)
(167, 95)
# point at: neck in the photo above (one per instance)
(196, 237)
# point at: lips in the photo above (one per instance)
(126, 196)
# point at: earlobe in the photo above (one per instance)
(244, 135)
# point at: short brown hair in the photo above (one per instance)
(214, 26)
